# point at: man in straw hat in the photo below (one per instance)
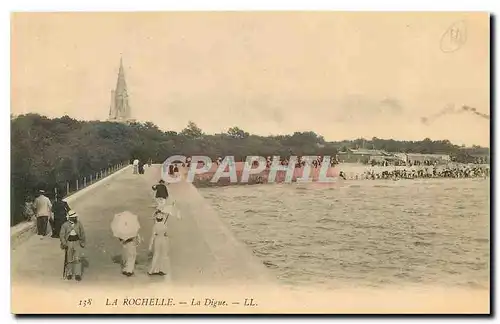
(72, 238)
(43, 210)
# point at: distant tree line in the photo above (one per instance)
(46, 153)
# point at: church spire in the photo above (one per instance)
(121, 85)
(120, 104)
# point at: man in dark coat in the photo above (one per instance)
(161, 193)
(60, 209)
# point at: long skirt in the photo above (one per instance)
(74, 261)
(58, 222)
(159, 263)
(160, 202)
(129, 254)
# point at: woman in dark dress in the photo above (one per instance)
(60, 209)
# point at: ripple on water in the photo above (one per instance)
(365, 234)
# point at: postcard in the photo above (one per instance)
(295, 162)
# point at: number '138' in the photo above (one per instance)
(85, 302)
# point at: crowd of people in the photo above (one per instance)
(402, 169)
(55, 219)
(301, 161)
(48, 214)
(463, 171)
(139, 165)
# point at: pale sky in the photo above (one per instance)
(342, 75)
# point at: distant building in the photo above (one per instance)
(380, 157)
(386, 160)
(361, 155)
(419, 157)
(119, 110)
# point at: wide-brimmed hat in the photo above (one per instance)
(72, 214)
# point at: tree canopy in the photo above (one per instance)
(48, 152)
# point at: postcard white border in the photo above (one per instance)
(116, 5)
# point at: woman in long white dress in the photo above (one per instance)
(159, 245)
(129, 254)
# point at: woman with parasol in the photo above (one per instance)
(125, 227)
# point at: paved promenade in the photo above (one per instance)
(202, 250)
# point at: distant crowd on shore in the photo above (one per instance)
(464, 171)
(403, 169)
(411, 163)
(317, 162)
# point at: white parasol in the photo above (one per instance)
(125, 225)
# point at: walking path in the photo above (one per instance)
(202, 250)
